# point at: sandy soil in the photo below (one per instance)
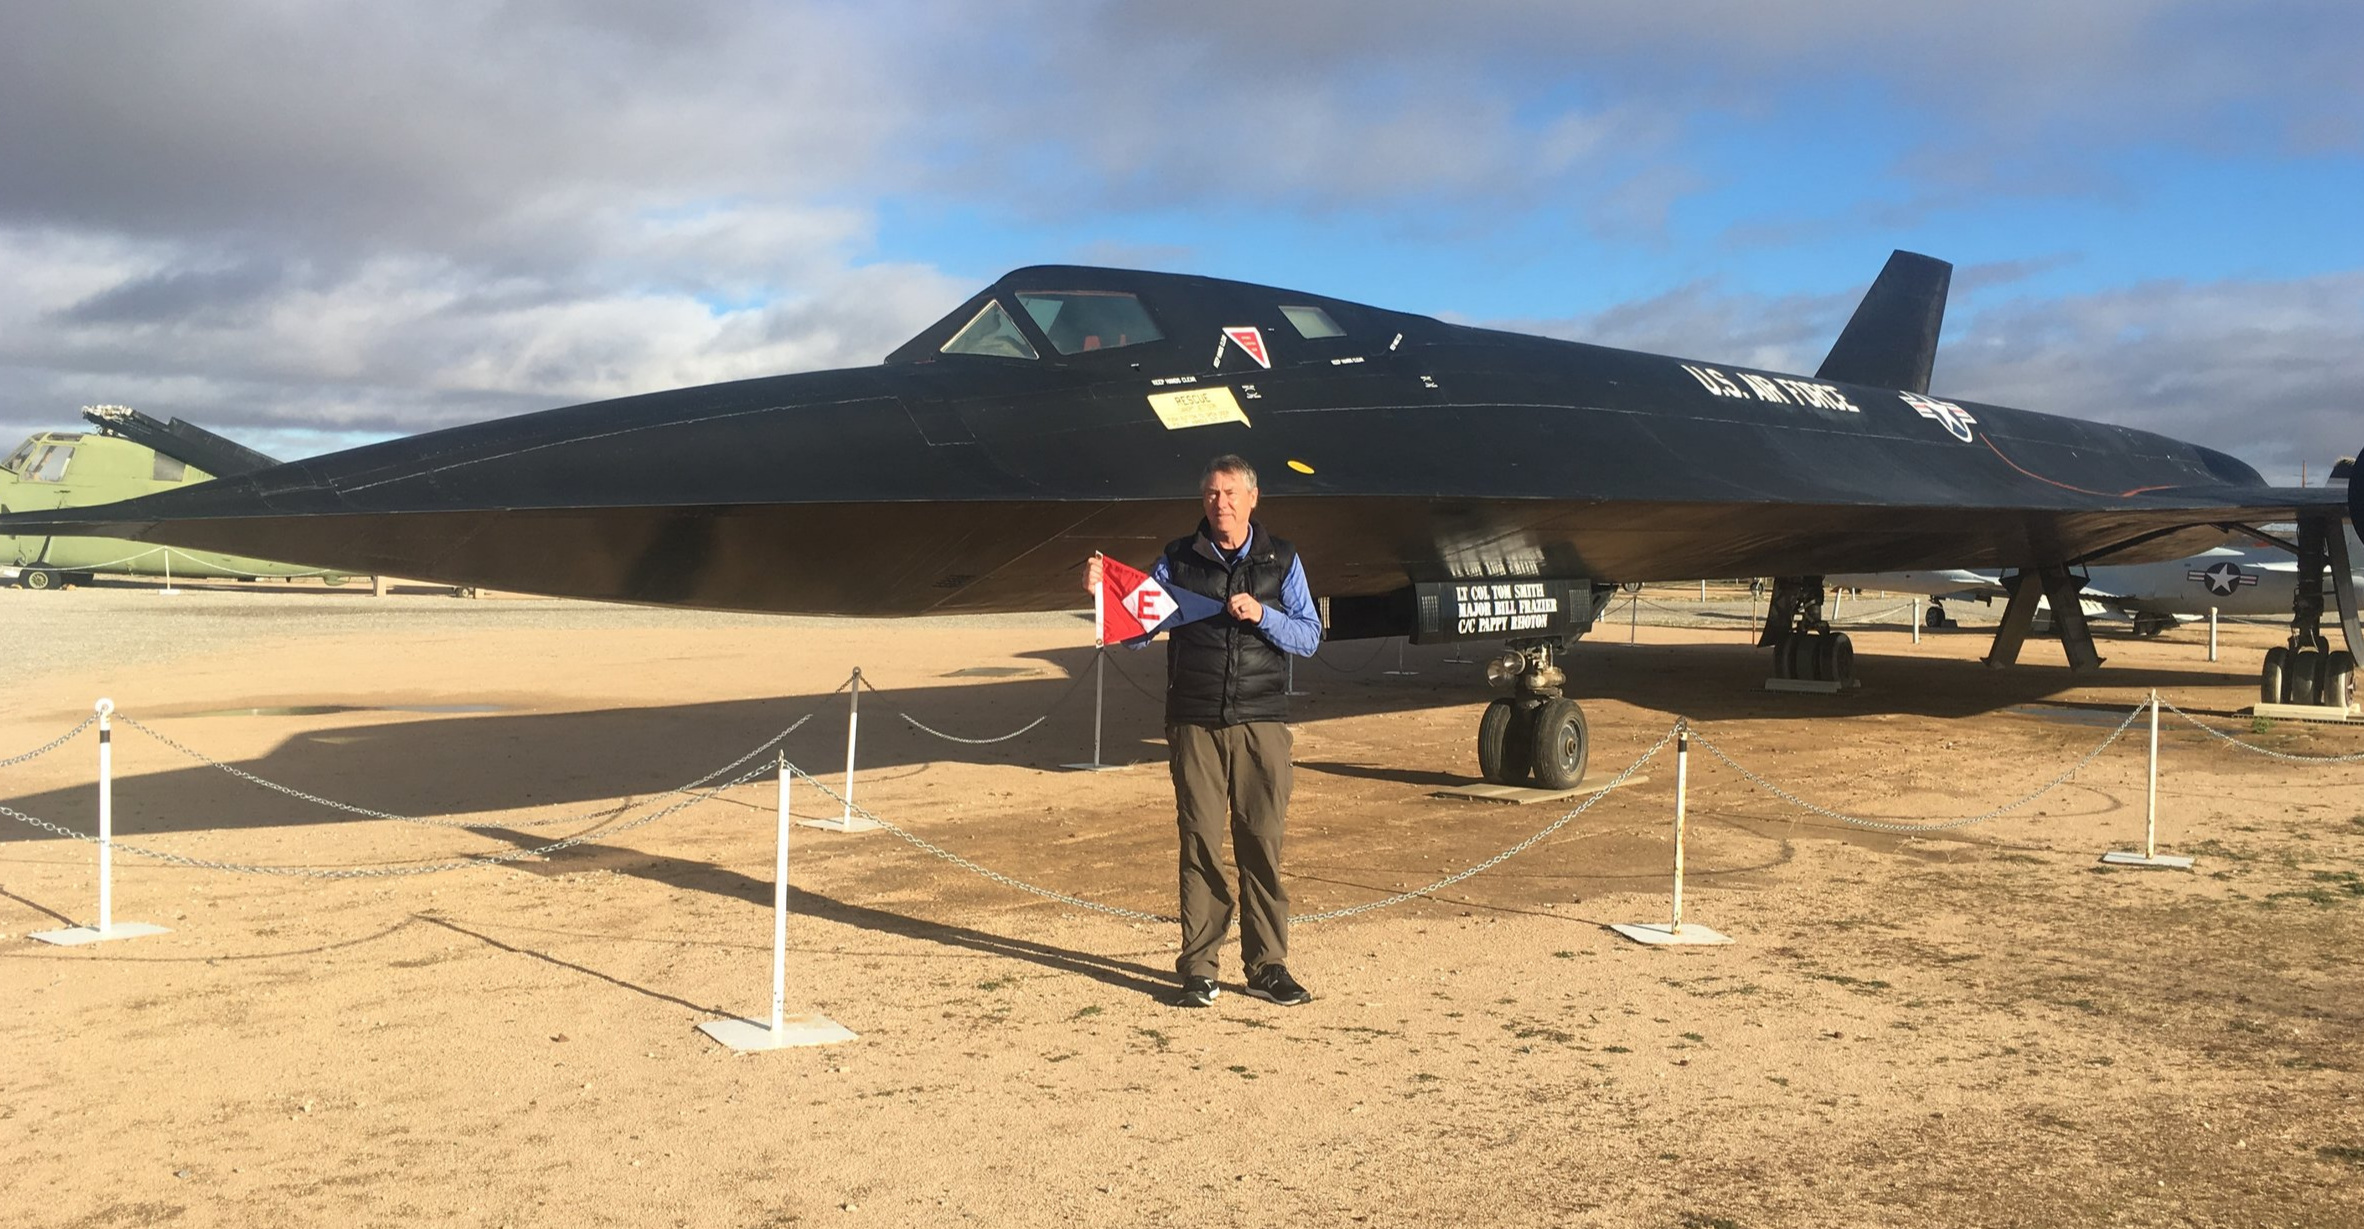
(1976, 1027)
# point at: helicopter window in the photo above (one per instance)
(992, 332)
(1312, 322)
(1077, 320)
(50, 466)
(15, 463)
(169, 469)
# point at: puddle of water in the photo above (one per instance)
(991, 672)
(323, 710)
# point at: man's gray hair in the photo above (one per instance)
(1228, 463)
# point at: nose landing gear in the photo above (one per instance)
(1535, 733)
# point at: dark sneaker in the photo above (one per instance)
(1273, 984)
(1197, 992)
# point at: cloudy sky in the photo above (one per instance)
(308, 224)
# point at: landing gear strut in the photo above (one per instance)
(2307, 670)
(1535, 732)
(1803, 644)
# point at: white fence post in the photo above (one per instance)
(1675, 932)
(106, 808)
(2150, 855)
(781, 1032)
(780, 908)
(848, 822)
(1916, 620)
(1682, 798)
(106, 929)
(853, 723)
(2212, 633)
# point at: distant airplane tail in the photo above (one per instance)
(1891, 340)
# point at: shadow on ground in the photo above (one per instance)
(574, 758)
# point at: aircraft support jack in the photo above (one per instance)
(1807, 654)
(1534, 734)
(2307, 672)
(2063, 590)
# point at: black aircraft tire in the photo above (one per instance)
(2339, 678)
(1504, 750)
(2302, 679)
(2269, 676)
(1561, 744)
(1834, 657)
(37, 578)
(1794, 657)
(1935, 618)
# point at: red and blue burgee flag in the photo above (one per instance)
(1132, 606)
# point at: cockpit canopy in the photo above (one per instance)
(1074, 312)
(43, 458)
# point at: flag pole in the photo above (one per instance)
(1099, 578)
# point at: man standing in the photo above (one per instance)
(1227, 725)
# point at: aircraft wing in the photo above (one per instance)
(1067, 409)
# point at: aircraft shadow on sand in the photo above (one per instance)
(489, 764)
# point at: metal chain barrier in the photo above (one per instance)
(2266, 751)
(1368, 662)
(1135, 684)
(1880, 825)
(1064, 696)
(1507, 854)
(52, 745)
(930, 847)
(367, 813)
(388, 872)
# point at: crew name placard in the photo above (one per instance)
(1499, 609)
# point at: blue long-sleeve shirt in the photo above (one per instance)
(1293, 625)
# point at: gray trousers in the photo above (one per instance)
(1236, 777)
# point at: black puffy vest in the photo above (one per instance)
(1220, 671)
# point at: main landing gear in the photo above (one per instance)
(1803, 644)
(1536, 734)
(2308, 670)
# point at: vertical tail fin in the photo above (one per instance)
(1891, 341)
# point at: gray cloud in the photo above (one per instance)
(351, 219)
(2265, 370)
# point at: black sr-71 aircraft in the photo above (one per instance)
(1444, 482)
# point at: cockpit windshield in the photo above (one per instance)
(15, 463)
(991, 332)
(1080, 320)
(47, 464)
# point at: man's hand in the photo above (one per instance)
(1092, 574)
(1245, 608)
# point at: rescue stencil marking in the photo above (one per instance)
(1198, 407)
(1250, 340)
(1952, 417)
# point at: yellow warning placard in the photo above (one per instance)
(1198, 407)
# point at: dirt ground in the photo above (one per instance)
(1981, 1026)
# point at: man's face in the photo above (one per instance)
(1229, 502)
